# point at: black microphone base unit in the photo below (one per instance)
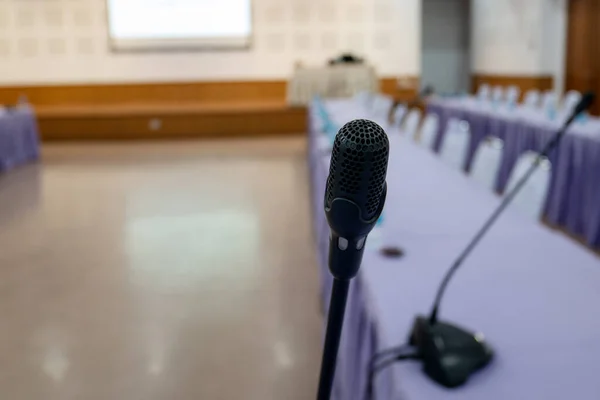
(450, 354)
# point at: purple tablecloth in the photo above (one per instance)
(573, 199)
(19, 139)
(532, 291)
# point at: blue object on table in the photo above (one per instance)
(582, 118)
(331, 130)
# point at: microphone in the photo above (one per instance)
(354, 199)
(450, 354)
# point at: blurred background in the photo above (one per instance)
(163, 164)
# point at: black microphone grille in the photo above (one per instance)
(359, 165)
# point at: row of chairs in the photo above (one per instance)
(454, 149)
(533, 98)
(487, 159)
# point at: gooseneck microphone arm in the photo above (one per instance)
(337, 308)
(354, 199)
(584, 104)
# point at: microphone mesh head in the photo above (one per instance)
(359, 165)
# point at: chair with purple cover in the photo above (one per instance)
(531, 199)
(4, 136)
(549, 101)
(570, 101)
(497, 94)
(512, 95)
(486, 162)
(456, 143)
(398, 115)
(532, 98)
(483, 92)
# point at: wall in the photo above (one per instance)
(583, 55)
(523, 38)
(445, 57)
(65, 41)
(555, 43)
(506, 37)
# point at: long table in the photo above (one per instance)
(532, 291)
(573, 198)
(19, 138)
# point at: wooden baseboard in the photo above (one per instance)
(525, 83)
(175, 93)
(171, 110)
(138, 122)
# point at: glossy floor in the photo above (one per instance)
(159, 271)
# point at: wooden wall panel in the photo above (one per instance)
(172, 93)
(525, 83)
(144, 93)
(193, 109)
(183, 122)
(583, 48)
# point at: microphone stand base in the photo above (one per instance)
(450, 354)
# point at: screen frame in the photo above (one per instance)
(176, 45)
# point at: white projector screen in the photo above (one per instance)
(172, 24)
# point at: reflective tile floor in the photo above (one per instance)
(181, 270)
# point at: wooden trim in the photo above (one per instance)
(525, 83)
(582, 71)
(187, 109)
(174, 93)
(174, 122)
(145, 93)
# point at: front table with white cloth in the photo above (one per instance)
(532, 291)
(343, 80)
(573, 199)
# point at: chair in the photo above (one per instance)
(398, 115)
(429, 130)
(512, 95)
(411, 123)
(455, 144)
(486, 162)
(530, 200)
(549, 101)
(380, 108)
(483, 93)
(570, 101)
(532, 99)
(497, 94)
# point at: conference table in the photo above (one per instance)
(19, 137)
(532, 291)
(573, 200)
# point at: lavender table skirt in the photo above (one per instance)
(573, 199)
(531, 290)
(19, 139)
(359, 339)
